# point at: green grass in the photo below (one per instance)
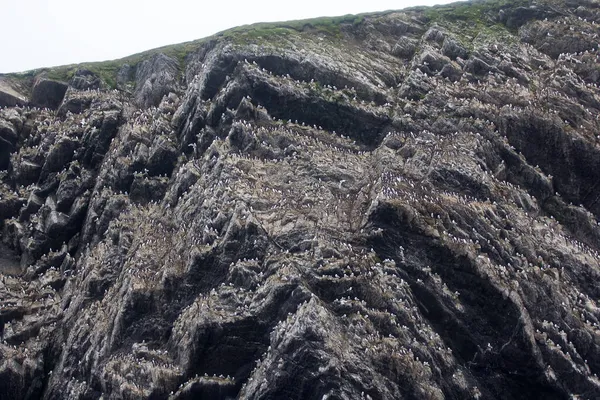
(476, 11)
(107, 70)
(269, 30)
(63, 73)
(469, 20)
(472, 20)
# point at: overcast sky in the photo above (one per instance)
(43, 33)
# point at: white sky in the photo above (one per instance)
(43, 33)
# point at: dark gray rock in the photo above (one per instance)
(10, 98)
(554, 39)
(431, 61)
(405, 47)
(60, 154)
(48, 93)
(97, 139)
(477, 66)
(454, 49)
(161, 157)
(8, 141)
(34, 203)
(434, 34)
(313, 216)
(56, 223)
(125, 75)
(518, 16)
(415, 86)
(146, 189)
(74, 103)
(10, 205)
(452, 71)
(511, 71)
(155, 78)
(84, 79)
(73, 185)
(26, 172)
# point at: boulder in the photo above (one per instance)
(56, 224)
(9, 97)
(48, 93)
(452, 71)
(74, 105)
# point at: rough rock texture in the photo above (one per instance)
(48, 93)
(85, 79)
(155, 78)
(9, 97)
(399, 206)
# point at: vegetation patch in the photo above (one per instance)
(260, 31)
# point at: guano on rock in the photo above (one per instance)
(401, 205)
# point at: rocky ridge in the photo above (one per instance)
(388, 206)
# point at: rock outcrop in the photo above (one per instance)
(48, 93)
(401, 205)
(9, 97)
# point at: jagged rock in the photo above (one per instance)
(518, 16)
(71, 187)
(125, 75)
(154, 79)
(9, 205)
(34, 203)
(453, 49)
(97, 139)
(161, 157)
(60, 154)
(9, 97)
(432, 61)
(452, 71)
(478, 66)
(415, 86)
(84, 79)
(8, 141)
(8, 133)
(48, 93)
(353, 208)
(434, 34)
(405, 47)
(26, 172)
(509, 69)
(148, 189)
(74, 103)
(556, 40)
(56, 223)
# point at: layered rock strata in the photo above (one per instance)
(400, 206)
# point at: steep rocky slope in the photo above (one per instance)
(401, 205)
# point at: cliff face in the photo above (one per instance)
(397, 205)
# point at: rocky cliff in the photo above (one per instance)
(400, 205)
